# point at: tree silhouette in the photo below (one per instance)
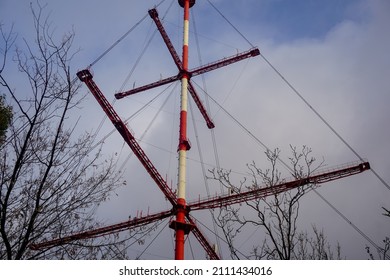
(276, 215)
(52, 178)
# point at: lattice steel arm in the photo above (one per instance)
(86, 77)
(225, 200)
(203, 240)
(133, 223)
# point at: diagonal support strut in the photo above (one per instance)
(197, 71)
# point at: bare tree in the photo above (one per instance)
(5, 118)
(51, 178)
(315, 246)
(5, 110)
(382, 252)
(277, 214)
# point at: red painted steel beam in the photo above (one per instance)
(154, 15)
(86, 77)
(210, 124)
(339, 173)
(209, 204)
(225, 200)
(224, 62)
(203, 240)
(159, 83)
(133, 223)
(196, 71)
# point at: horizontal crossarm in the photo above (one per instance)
(258, 192)
(159, 83)
(224, 62)
(191, 73)
(132, 223)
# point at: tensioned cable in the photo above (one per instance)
(122, 37)
(147, 247)
(144, 49)
(379, 249)
(204, 173)
(233, 86)
(147, 44)
(322, 119)
(137, 239)
(131, 117)
(189, 242)
(156, 225)
(220, 238)
(199, 150)
(111, 47)
(228, 21)
(214, 141)
(192, 159)
(137, 61)
(134, 66)
(117, 42)
(289, 168)
(298, 95)
(172, 137)
(149, 126)
(242, 126)
(127, 79)
(338, 135)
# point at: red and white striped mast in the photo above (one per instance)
(180, 225)
(183, 224)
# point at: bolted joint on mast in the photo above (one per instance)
(184, 73)
(180, 224)
(184, 144)
(181, 3)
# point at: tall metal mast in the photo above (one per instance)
(180, 225)
(183, 223)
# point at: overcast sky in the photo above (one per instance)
(335, 53)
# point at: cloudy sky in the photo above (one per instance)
(335, 53)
